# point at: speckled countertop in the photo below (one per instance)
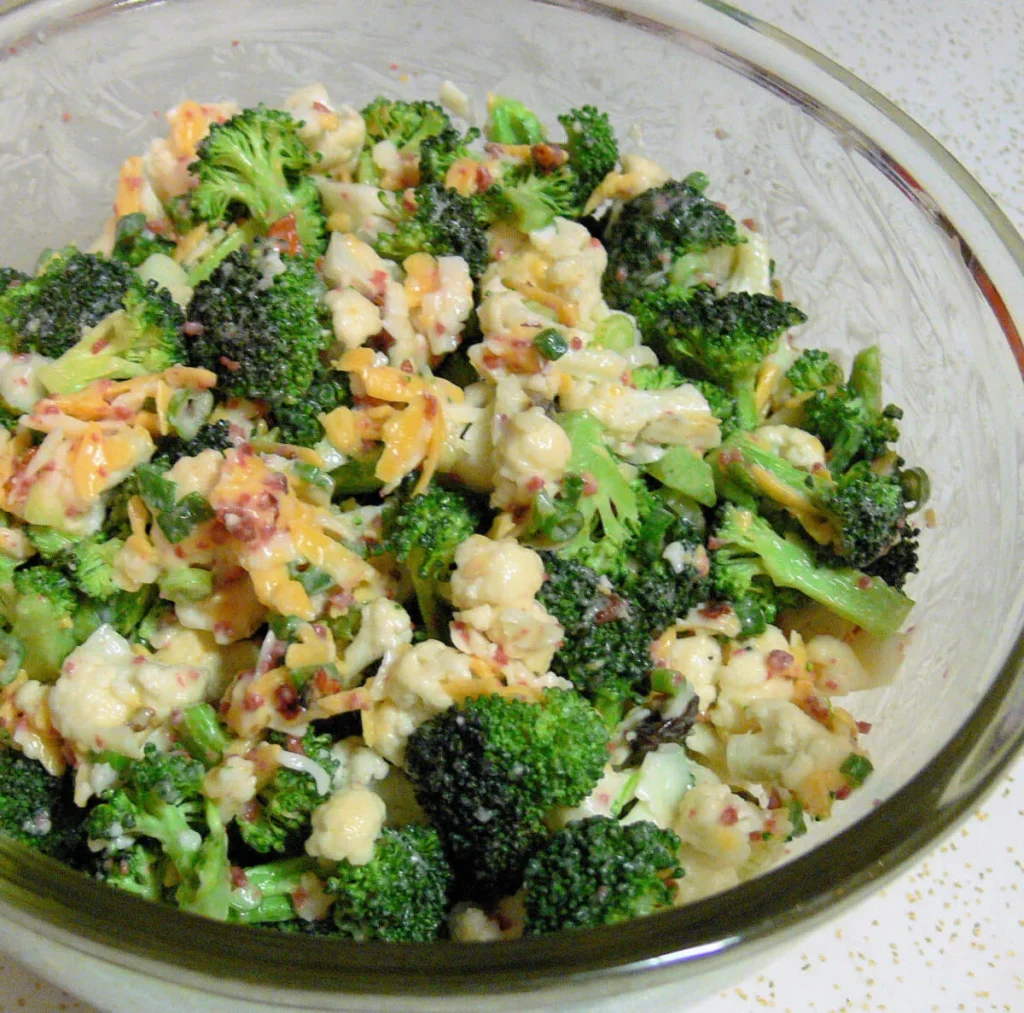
(948, 936)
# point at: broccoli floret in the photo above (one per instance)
(37, 809)
(532, 200)
(11, 278)
(654, 231)
(258, 326)
(722, 340)
(509, 121)
(135, 241)
(46, 617)
(423, 532)
(592, 147)
(279, 822)
(256, 161)
(433, 219)
(74, 291)
(299, 423)
(742, 581)
(568, 590)
(214, 436)
(813, 370)
(139, 870)
(487, 771)
(408, 126)
(723, 406)
(860, 514)
(657, 377)
(400, 895)
(849, 593)
(899, 561)
(144, 336)
(600, 872)
(440, 151)
(92, 567)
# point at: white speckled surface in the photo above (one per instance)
(948, 936)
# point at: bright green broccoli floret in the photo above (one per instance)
(849, 593)
(600, 872)
(256, 161)
(406, 125)
(439, 152)
(486, 772)
(423, 532)
(400, 895)
(134, 241)
(657, 377)
(139, 870)
(144, 336)
(258, 326)
(592, 147)
(813, 370)
(279, 822)
(669, 225)
(723, 340)
(531, 200)
(863, 511)
(723, 406)
(509, 121)
(437, 221)
(741, 580)
(36, 808)
(73, 292)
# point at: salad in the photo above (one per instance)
(411, 531)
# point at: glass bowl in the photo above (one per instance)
(877, 232)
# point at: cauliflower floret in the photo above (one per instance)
(503, 574)
(385, 627)
(532, 456)
(801, 449)
(698, 658)
(335, 135)
(469, 444)
(20, 385)
(196, 474)
(749, 265)
(357, 764)
(837, 669)
(231, 613)
(761, 668)
(353, 317)
(353, 207)
(231, 785)
(439, 294)
(717, 824)
(527, 634)
(112, 696)
(25, 717)
(346, 826)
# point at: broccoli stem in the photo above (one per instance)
(274, 883)
(868, 602)
(866, 379)
(208, 891)
(201, 734)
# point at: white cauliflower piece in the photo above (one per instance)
(532, 456)
(717, 824)
(357, 764)
(502, 574)
(837, 669)
(231, 785)
(469, 443)
(801, 449)
(337, 136)
(439, 294)
(353, 317)
(20, 385)
(698, 658)
(384, 627)
(353, 207)
(760, 668)
(527, 634)
(346, 826)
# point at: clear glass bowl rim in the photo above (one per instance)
(122, 929)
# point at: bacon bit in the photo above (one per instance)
(284, 230)
(756, 836)
(777, 662)
(320, 107)
(616, 608)
(817, 708)
(99, 345)
(341, 600)
(863, 727)
(253, 701)
(193, 328)
(500, 657)
(484, 179)
(286, 700)
(65, 117)
(230, 364)
(590, 485)
(325, 684)
(621, 273)
(831, 684)
(731, 456)
(548, 157)
(576, 344)
(729, 816)
(299, 896)
(864, 583)
(491, 361)
(238, 877)
(294, 745)
(714, 609)
(843, 792)
(535, 484)
(750, 224)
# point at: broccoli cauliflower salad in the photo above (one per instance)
(415, 533)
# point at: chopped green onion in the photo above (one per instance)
(855, 768)
(201, 733)
(157, 492)
(312, 578)
(185, 584)
(795, 810)
(188, 412)
(551, 344)
(616, 332)
(314, 476)
(300, 676)
(667, 681)
(285, 627)
(916, 486)
(686, 472)
(178, 522)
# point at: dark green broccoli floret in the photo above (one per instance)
(258, 327)
(400, 895)
(568, 591)
(741, 580)
(899, 561)
(139, 870)
(439, 152)
(10, 278)
(863, 512)
(256, 161)
(600, 872)
(673, 224)
(849, 593)
(37, 808)
(135, 241)
(813, 370)
(299, 423)
(433, 219)
(214, 436)
(510, 121)
(423, 532)
(723, 340)
(486, 772)
(592, 147)
(144, 336)
(47, 618)
(73, 292)
(279, 822)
